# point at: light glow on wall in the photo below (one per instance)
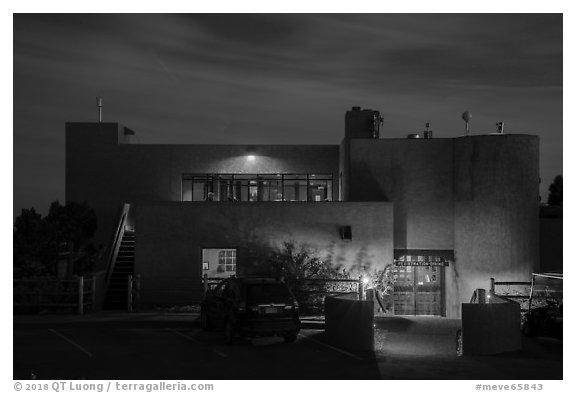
(251, 157)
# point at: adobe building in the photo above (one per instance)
(449, 213)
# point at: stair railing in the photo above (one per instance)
(118, 235)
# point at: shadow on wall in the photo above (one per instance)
(366, 188)
(294, 260)
(254, 255)
(291, 260)
(362, 262)
(454, 298)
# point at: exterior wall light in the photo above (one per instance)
(251, 157)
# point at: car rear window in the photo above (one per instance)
(266, 293)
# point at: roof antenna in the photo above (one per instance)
(99, 103)
(467, 116)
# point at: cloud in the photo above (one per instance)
(279, 78)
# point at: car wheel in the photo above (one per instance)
(229, 332)
(290, 337)
(204, 321)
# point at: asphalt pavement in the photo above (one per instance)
(172, 346)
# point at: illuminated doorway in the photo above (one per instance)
(419, 281)
(418, 290)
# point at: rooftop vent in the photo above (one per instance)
(428, 132)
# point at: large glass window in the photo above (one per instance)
(320, 188)
(198, 188)
(270, 188)
(226, 191)
(252, 187)
(295, 187)
(246, 188)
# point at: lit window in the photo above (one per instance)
(227, 260)
(257, 187)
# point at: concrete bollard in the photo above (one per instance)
(350, 322)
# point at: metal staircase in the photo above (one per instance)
(117, 293)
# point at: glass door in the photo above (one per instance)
(418, 290)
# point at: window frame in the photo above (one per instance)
(243, 183)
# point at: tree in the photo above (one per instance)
(294, 261)
(73, 222)
(555, 196)
(34, 246)
(38, 241)
(297, 263)
(383, 282)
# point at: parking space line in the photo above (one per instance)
(78, 346)
(330, 346)
(190, 338)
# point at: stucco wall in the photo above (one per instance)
(477, 195)
(496, 211)
(106, 171)
(344, 169)
(415, 174)
(170, 236)
(92, 167)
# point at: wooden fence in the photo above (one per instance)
(39, 294)
(517, 291)
(312, 292)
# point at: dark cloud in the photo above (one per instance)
(437, 65)
(255, 29)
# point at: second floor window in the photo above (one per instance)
(254, 188)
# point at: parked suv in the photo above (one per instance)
(249, 307)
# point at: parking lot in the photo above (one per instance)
(164, 346)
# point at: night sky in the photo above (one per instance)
(278, 79)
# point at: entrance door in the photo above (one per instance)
(418, 290)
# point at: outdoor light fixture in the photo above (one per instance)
(365, 280)
(345, 232)
(251, 157)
